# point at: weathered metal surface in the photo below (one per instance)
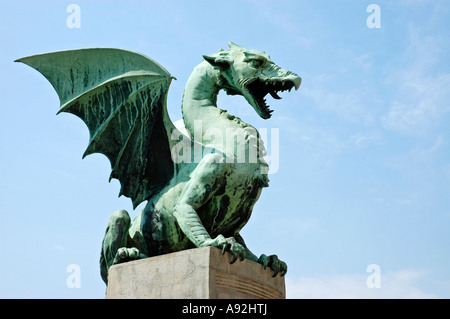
(200, 188)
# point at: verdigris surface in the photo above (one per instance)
(200, 187)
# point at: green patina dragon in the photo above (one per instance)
(194, 199)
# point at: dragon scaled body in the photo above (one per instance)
(192, 201)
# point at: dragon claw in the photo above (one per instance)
(228, 245)
(126, 254)
(276, 265)
(236, 249)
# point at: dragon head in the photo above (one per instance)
(253, 74)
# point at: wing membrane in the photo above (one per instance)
(121, 96)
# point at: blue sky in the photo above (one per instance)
(364, 161)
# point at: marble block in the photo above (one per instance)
(199, 273)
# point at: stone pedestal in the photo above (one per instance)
(200, 273)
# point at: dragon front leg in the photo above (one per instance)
(117, 246)
(204, 182)
(276, 265)
(193, 228)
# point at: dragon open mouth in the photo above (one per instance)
(258, 90)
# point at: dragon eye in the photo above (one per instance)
(256, 63)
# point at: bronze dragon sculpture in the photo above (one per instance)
(200, 189)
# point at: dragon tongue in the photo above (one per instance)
(274, 94)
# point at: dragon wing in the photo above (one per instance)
(121, 96)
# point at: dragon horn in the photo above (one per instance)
(235, 46)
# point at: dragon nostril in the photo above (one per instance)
(283, 72)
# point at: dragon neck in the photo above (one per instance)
(200, 96)
(205, 122)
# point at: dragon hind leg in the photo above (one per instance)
(116, 243)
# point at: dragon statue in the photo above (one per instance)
(200, 190)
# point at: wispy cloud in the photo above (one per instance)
(58, 247)
(423, 162)
(283, 21)
(345, 92)
(422, 94)
(414, 1)
(394, 285)
(363, 138)
(349, 106)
